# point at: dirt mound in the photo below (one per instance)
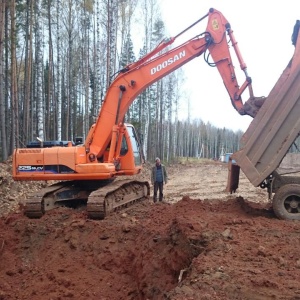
(192, 248)
(13, 193)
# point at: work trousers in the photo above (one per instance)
(158, 186)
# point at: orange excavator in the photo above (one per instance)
(86, 172)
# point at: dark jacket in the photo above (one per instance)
(164, 174)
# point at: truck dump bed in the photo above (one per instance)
(274, 128)
(272, 131)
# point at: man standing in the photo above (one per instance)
(158, 178)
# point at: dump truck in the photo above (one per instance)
(264, 155)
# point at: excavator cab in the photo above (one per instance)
(135, 144)
(127, 152)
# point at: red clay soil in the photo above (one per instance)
(191, 249)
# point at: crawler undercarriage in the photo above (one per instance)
(100, 197)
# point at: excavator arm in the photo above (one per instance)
(135, 78)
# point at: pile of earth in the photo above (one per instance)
(13, 193)
(191, 246)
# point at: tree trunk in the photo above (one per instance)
(58, 71)
(28, 68)
(4, 152)
(13, 89)
(39, 71)
(50, 121)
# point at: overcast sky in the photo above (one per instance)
(263, 31)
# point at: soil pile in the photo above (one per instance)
(200, 243)
(13, 193)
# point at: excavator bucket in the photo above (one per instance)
(233, 177)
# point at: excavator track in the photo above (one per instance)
(101, 197)
(34, 205)
(116, 196)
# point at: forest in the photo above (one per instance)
(58, 57)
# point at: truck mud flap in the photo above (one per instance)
(233, 177)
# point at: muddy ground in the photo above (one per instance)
(200, 243)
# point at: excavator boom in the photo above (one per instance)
(135, 78)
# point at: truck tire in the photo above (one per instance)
(286, 202)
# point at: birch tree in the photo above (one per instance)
(70, 66)
(49, 87)
(58, 71)
(112, 23)
(87, 9)
(158, 103)
(27, 109)
(144, 117)
(39, 71)
(148, 10)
